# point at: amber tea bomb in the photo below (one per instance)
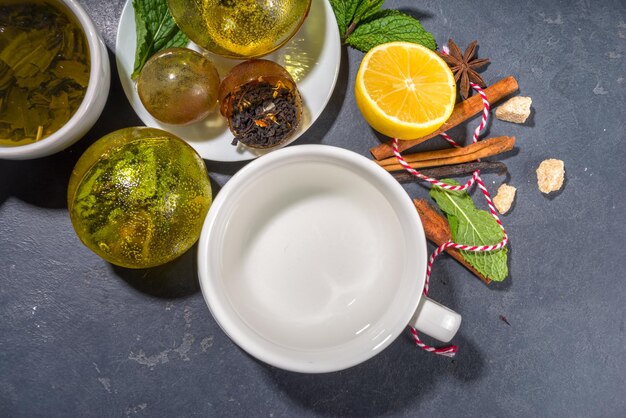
(262, 103)
(178, 86)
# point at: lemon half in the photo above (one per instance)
(404, 90)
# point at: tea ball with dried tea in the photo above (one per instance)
(178, 86)
(261, 102)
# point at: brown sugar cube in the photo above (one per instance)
(504, 198)
(516, 109)
(550, 175)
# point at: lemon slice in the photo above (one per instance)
(404, 90)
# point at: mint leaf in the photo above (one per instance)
(363, 25)
(366, 9)
(350, 12)
(471, 226)
(492, 264)
(389, 26)
(156, 30)
(344, 13)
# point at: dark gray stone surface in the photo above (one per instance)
(79, 337)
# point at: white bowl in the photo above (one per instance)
(91, 107)
(312, 258)
(312, 56)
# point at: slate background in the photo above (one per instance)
(81, 337)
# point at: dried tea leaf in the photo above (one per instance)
(34, 82)
(44, 71)
(7, 34)
(31, 52)
(6, 75)
(69, 41)
(74, 70)
(17, 105)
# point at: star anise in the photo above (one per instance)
(464, 66)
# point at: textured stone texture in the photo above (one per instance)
(79, 337)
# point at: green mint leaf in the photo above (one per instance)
(453, 222)
(389, 26)
(448, 200)
(366, 9)
(156, 30)
(492, 264)
(344, 13)
(471, 226)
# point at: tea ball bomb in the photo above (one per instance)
(138, 197)
(178, 86)
(239, 28)
(262, 103)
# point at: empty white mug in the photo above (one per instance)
(313, 259)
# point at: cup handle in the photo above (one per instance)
(435, 320)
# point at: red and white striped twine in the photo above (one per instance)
(450, 351)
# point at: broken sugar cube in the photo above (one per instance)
(550, 175)
(516, 109)
(504, 198)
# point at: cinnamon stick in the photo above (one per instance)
(462, 112)
(438, 232)
(455, 170)
(486, 148)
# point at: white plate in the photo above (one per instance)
(312, 57)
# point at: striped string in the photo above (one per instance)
(450, 351)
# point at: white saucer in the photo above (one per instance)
(312, 57)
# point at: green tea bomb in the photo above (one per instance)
(138, 197)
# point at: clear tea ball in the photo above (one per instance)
(178, 86)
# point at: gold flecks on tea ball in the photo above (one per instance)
(138, 197)
(239, 28)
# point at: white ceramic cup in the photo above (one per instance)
(313, 259)
(90, 108)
